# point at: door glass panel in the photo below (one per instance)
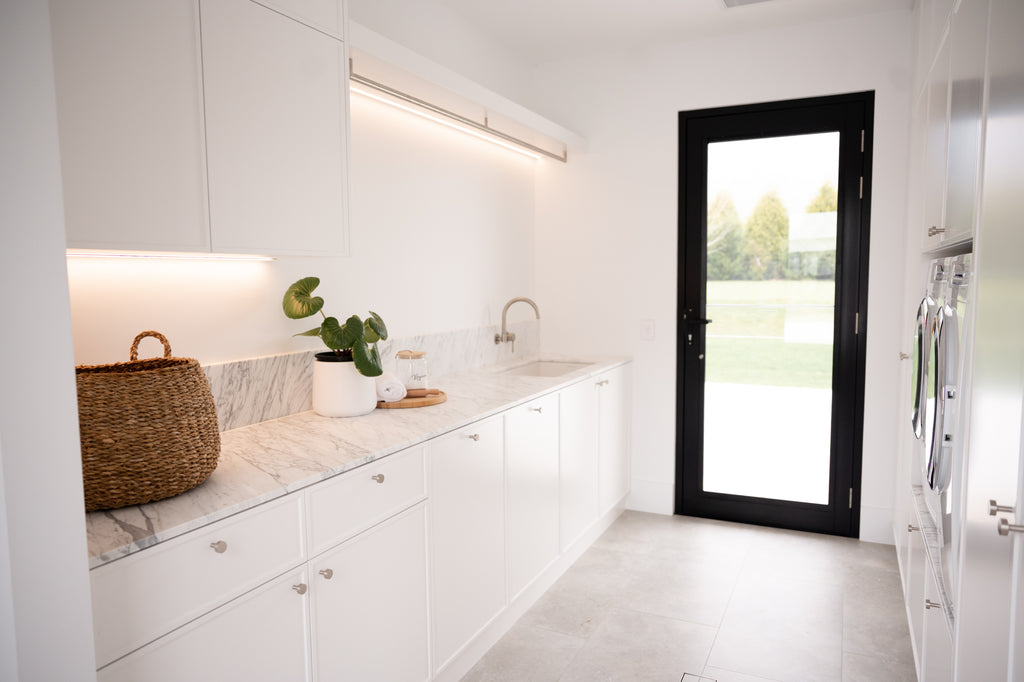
(771, 266)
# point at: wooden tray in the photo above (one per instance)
(414, 402)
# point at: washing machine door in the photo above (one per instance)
(942, 402)
(919, 368)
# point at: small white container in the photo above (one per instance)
(411, 369)
(339, 390)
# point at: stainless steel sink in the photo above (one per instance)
(547, 368)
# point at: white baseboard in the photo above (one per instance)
(657, 497)
(876, 524)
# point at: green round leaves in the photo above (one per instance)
(299, 301)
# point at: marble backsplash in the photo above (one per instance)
(259, 389)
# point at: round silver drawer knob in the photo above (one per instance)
(1005, 527)
(219, 547)
(378, 477)
(536, 409)
(474, 436)
(327, 573)
(929, 604)
(911, 528)
(300, 588)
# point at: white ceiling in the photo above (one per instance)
(548, 30)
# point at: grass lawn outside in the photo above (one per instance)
(772, 333)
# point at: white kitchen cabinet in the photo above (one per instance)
(467, 538)
(937, 652)
(577, 456)
(277, 132)
(967, 35)
(143, 596)
(914, 591)
(614, 401)
(130, 112)
(369, 604)
(324, 15)
(531, 489)
(936, 147)
(263, 635)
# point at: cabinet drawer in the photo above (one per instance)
(143, 596)
(358, 499)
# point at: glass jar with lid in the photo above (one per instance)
(411, 369)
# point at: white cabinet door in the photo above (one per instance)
(937, 653)
(935, 150)
(614, 399)
(130, 111)
(262, 635)
(369, 606)
(276, 102)
(577, 457)
(467, 538)
(968, 31)
(531, 486)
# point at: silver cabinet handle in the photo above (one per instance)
(327, 573)
(219, 547)
(904, 356)
(932, 231)
(300, 588)
(536, 409)
(378, 477)
(602, 382)
(994, 508)
(1005, 527)
(911, 528)
(929, 604)
(474, 436)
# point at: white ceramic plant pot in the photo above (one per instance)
(339, 390)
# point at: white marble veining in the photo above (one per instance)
(264, 461)
(260, 389)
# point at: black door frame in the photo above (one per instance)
(852, 115)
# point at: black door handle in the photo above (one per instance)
(696, 320)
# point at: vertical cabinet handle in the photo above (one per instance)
(378, 477)
(994, 508)
(300, 588)
(327, 573)
(1005, 527)
(219, 547)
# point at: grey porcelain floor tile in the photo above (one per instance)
(695, 590)
(636, 647)
(874, 617)
(579, 600)
(526, 654)
(722, 675)
(858, 668)
(791, 554)
(783, 629)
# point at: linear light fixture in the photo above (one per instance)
(437, 114)
(157, 255)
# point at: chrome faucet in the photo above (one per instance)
(506, 336)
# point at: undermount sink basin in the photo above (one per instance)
(547, 368)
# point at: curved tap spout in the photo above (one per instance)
(506, 336)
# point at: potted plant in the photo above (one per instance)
(343, 384)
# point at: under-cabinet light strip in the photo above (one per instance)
(168, 256)
(461, 123)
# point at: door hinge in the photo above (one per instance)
(851, 498)
(856, 324)
(861, 190)
(861, 141)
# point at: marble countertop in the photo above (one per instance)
(265, 461)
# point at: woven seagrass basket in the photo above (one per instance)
(148, 428)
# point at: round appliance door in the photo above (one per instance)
(942, 400)
(919, 368)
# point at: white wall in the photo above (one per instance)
(45, 612)
(441, 238)
(606, 222)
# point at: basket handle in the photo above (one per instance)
(134, 353)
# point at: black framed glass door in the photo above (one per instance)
(773, 238)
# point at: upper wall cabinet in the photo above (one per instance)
(130, 111)
(235, 142)
(276, 131)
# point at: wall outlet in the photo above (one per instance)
(647, 330)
